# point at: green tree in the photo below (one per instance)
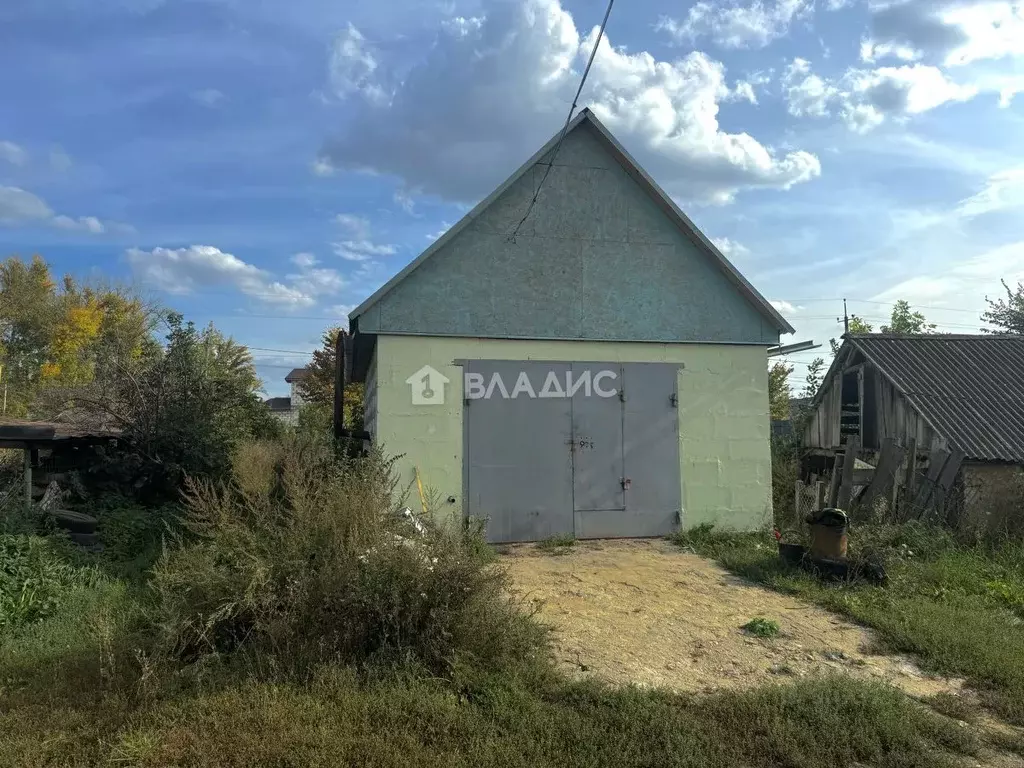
(778, 390)
(317, 388)
(815, 372)
(905, 320)
(856, 325)
(1007, 315)
(183, 412)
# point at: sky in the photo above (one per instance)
(266, 165)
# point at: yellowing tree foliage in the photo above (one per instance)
(62, 335)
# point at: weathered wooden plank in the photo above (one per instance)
(949, 471)
(846, 483)
(833, 484)
(911, 477)
(936, 461)
(885, 473)
(819, 495)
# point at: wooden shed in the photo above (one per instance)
(955, 396)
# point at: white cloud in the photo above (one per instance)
(354, 224)
(1002, 191)
(304, 260)
(322, 167)
(806, 94)
(733, 24)
(785, 308)
(369, 248)
(353, 67)
(182, 270)
(12, 153)
(445, 226)
(18, 206)
(208, 97)
(865, 98)
(729, 247)
(483, 100)
(341, 310)
(82, 224)
(953, 32)
(404, 201)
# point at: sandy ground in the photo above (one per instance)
(645, 612)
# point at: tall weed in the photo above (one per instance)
(300, 560)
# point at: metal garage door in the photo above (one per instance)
(588, 449)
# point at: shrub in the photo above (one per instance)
(301, 558)
(35, 576)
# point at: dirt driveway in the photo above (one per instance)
(648, 613)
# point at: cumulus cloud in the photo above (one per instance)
(360, 246)
(735, 24)
(12, 153)
(304, 260)
(865, 98)
(952, 32)
(182, 270)
(486, 97)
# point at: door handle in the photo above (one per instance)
(625, 483)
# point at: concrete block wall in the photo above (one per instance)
(724, 432)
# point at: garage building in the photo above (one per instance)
(597, 370)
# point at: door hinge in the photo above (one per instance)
(674, 400)
(622, 395)
(625, 483)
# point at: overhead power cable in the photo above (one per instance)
(565, 128)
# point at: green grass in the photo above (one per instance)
(958, 608)
(340, 718)
(762, 627)
(557, 542)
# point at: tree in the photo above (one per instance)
(182, 412)
(1007, 315)
(317, 388)
(57, 337)
(778, 390)
(904, 320)
(812, 382)
(856, 325)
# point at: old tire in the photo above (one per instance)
(85, 539)
(74, 522)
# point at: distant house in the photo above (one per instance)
(287, 408)
(960, 394)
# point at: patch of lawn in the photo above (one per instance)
(956, 607)
(342, 719)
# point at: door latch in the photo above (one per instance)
(625, 483)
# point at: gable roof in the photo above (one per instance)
(969, 388)
(296, 374)
(630, 165)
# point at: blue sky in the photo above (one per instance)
(265, 165)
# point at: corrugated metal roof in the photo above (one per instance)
(969, 388)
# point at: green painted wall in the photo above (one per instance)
(724, 432)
